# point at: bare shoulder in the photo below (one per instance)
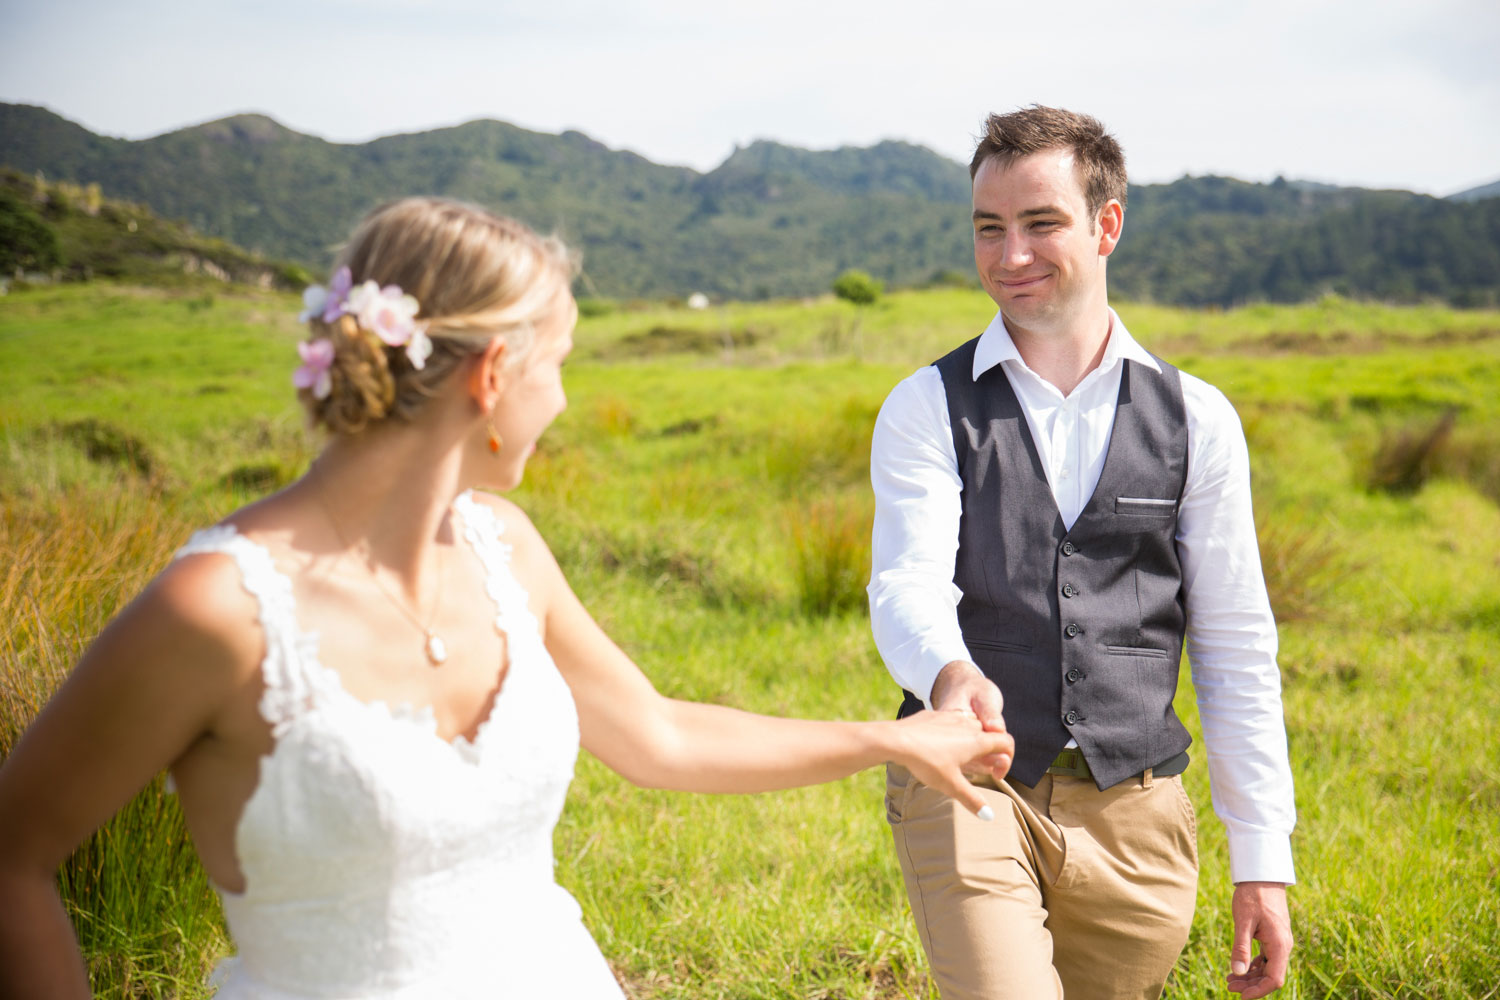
(168, 671)
(197, 609)
(516, 528)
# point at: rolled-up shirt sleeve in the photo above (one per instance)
(913, 600)
(1231, 637)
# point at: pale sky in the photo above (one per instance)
(1375, 93)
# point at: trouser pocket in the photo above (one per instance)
(898, 782)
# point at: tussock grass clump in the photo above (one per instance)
(809, 455)
(147, 921)
(105, 443)
(261, 477)
(1302, 565)
(1473, 455)
(1408, 456)
(611, 416)
(663, 560)
(831, 542)
(662, 340)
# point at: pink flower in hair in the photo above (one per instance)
(317, 358)
(385, 312)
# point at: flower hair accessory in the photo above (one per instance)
(385, 312)
(317, 358)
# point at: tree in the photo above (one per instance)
(26, 242)
(857, 287)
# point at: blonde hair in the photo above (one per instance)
(474, 275)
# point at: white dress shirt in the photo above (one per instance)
(1231, 636)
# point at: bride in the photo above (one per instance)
(371, 687)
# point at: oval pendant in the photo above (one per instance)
(437, 649)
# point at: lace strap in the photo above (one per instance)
(286, 647)
(483, 529)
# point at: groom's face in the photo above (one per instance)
(1038, 249)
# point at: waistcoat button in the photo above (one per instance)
(1073, 676)
(1070, 718)
(1069, 590)
(1072, 629)
(1068, 548)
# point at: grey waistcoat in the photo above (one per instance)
(1081, 629)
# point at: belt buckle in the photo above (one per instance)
(1071, 764)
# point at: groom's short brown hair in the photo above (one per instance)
(1097, 156)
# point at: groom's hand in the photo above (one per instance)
(1260, 914)
(962, 687)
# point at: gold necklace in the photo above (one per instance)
(434, 646)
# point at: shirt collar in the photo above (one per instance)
(995, 345)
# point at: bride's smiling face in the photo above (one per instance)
(533, 395)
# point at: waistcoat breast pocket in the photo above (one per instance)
(1134, 515)
(1148, 507)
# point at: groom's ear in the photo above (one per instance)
(1110, 224)
(488, 376)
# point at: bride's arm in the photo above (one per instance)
(663, 742)
(146, 690)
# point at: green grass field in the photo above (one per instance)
(707, 494)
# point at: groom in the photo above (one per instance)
(1056, 511)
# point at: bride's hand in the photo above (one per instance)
(940, 746)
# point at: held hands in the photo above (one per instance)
(962, 687)
(940, 746)
(1260, 914)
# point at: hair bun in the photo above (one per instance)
(363, 388)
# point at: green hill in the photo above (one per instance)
(56, 230)
(771, 219)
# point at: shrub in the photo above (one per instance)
(26, 242)
(591, 308)
(857, 287)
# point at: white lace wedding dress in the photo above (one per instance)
(382, 863)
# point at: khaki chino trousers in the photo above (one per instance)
(1069, 892)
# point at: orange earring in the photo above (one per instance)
(494, 441)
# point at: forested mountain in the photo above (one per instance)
(57, 229)
(769, 220)
(1490, 190)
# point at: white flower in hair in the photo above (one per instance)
(419, 347)
(386, 312)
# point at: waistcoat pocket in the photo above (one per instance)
(1145, 507)
(1137, 651)
(1002, 645)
